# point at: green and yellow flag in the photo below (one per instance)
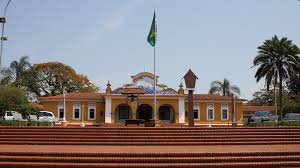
(152, 34)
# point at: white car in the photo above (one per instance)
(8, 116)
(47, 116)
(13, 116)
(31, 117)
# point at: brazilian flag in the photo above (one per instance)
(152, 34)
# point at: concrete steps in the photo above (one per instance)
(81, 160)
(148, 136)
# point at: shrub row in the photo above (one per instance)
(275, 123)
(23, 123)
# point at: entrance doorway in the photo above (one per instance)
(166, 113)
(144, 112)
(123, 112)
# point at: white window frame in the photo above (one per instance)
(224, 107)
(58, 109)
(92, 107)
(210, 106)
(197, 107)
(76, 107)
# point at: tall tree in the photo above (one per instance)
(52, 78)
(223, 88)
(293, 87)
(277, 59)
(13, 75)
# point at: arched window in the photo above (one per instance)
(123, 112)
(166, 113)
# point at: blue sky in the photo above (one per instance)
(106, 39)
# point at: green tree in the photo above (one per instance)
(52, 78)
(223, 88)
(277, 59)
(293, 87)
(262, 98)
(14, 74)
(13, 99)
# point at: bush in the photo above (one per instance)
(23, 123)
(43, 123)
(292, 108)
(274, 123)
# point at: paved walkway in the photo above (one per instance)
(150, 149)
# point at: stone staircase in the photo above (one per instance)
(148, 136)
(32, 137)
(90, 160)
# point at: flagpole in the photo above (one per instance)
(155, 34)
(154, 117)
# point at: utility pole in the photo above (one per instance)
(2, 38)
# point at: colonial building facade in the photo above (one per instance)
(135, 101)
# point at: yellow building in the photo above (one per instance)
(136, 101)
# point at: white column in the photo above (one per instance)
(107, 109)
(181, 110)
(82, 116)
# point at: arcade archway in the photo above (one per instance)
(123, 112)
(166, 113)
(145, 112)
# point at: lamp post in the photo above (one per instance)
(64, 121)
(2, 38)
(190, 81)
(209, 120)
(234, 124)
(64, 117)
(82, 116)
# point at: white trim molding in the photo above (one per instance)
(208, 108)
(79, 110)
(107, 110)
(224, 107)
(181, 108)
(196, 107)
(92, 108)
(60, 107)
(58, 115)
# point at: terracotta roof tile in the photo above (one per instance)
(212, 97)
(249, 108)
(37, 105)
(75, 96)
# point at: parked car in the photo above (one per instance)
(8, 116)
(47, 116)
(13, 116)
(291, 117)
(261, 116)
(31, 117)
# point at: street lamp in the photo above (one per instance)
(64, 121)
(190, 82)
(233, 96)
(82, 116)
(3, 21)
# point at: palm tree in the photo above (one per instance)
(277, 59)
(14, 73)
(223, 88)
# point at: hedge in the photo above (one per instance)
(23, 123)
